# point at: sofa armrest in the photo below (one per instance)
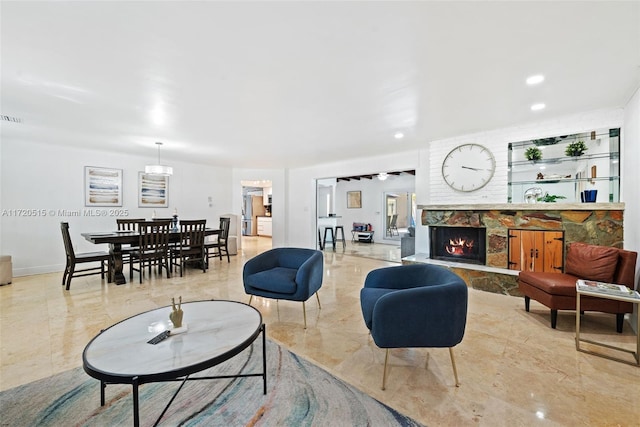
(311, 272)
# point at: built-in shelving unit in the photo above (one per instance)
(559, 174)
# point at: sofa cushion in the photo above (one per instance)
(591, 262)
(551, 283)
(279, 280)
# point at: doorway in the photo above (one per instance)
(256, 220)
(400, 213)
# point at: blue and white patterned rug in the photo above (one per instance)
(299, 394)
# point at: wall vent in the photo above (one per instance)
(10, 119)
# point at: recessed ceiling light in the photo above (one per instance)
(537, 107)
(534, 80)
(398, 135)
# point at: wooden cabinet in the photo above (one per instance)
(264, 226)
(266, 195)
(536, 250)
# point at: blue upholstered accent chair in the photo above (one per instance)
(417, 305)
(293, 274)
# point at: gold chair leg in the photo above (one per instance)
(384, 372)
(453, 363)
(250, 298)
(304, 313)
(318, 298)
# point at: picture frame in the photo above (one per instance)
(354, 199)
(102, 186)
(153, 190)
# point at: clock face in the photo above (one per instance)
(468, 167)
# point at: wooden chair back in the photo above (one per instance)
(154, 236)
(128, 224)
(192, 233)
(224, 230)
(66, 238)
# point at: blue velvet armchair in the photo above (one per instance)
(417, 305)
(293, 274)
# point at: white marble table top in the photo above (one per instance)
(216, 330)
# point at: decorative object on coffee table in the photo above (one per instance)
(176, 313)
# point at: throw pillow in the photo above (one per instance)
(591, 262)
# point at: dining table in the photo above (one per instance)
(115, 240)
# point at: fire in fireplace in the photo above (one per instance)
(459, 244)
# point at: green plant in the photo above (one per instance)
(550, 198)
(533, 153)
(576, 148)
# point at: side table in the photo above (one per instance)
(634, 299)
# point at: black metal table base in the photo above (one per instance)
(135, 384)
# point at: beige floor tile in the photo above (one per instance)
(513, 368)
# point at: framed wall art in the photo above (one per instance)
(354, 199)
(102, 186)
(153, 190)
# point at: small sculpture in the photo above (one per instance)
(176, 313)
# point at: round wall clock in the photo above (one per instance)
(468, 167)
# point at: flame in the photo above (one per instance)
(459, 246)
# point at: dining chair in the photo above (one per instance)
(190, 248)
(128, 224)
(87, 257)
(153, 247)
(221, 245)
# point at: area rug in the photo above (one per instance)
(298, 394)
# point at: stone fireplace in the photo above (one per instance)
(594, 223)
(458, 244)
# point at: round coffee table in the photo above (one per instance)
(217, 331)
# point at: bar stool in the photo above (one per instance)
(341, 239)
(333, 237)
(320, 240)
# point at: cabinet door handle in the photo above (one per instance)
(531, 253)
(536, 253)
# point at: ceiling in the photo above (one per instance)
(290, 84)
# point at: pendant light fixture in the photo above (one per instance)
(159, 169)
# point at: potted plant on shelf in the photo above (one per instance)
(533, 153)
(550, 198)
(576, 149)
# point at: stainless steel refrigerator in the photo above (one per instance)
(247, 215)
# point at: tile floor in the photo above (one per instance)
(514, 369)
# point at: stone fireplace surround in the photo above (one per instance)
(594, 223)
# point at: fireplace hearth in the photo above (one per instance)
(458, 244)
